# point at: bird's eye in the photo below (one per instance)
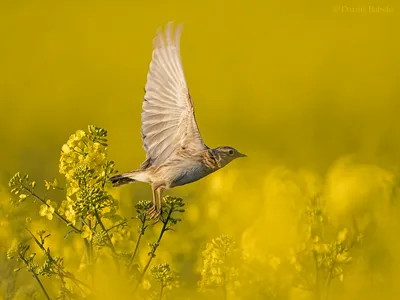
(230, 152)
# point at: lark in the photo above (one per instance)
(175, 152)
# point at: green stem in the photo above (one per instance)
(86, 242)
(55, 212)
(317, 290)
(41, 286)
(72, 278)
(61, 273)
(116, 225)
(328, 283)
(91, 254)
(36, 277)
(89, 260)
(224, 288)
(153, 251)
(136, 246)
(161, 290)
(110, 244)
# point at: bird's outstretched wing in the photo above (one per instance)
(168, 122)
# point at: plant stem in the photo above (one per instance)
(116, 225)
(61, 273)
(55, 212)
(86, 243)
(225, 287)
(36, 277)
(89, 260)
(136, 247)
(100, 222)
(89, 251)
(153, 251)
(72, 278)
(110, 244)
(161, 290)
(328, 283)
(90, 245)
(41, 285)
(317, 290)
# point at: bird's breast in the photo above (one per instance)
(189, 173)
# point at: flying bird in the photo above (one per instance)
(175, 152)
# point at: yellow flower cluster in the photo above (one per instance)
(47, 210)
(50, 185)
(220, 264)
(67, 209)
(81, 150)
(167, 278)
(87, 233)
(85, 166)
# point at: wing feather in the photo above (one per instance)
(168, 121)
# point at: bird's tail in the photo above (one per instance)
(129, 177)
(123, 178)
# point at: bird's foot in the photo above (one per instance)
(152, 210)
(155, 214)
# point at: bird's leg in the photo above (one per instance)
(154, 207)
(157, 213)
(160, 191)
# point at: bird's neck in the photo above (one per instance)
(212, 160)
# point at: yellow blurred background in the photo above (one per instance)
(308, 90)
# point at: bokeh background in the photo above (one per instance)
(308, 90)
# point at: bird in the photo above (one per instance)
(175, 152)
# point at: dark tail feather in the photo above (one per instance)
(121, 179)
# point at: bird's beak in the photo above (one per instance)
(241, 155)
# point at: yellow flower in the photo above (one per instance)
(71, 141)
(343, 258)
(325, 248)
(70, 216)
(342, 235)
(86, 233)
(51, 185)
(73, 186)
(79, 134)
(67, 210)
(146, 284)
(47, 185)
(65, 148)
(116, 237)
(274, 262)
(298, 267)
(47, 210)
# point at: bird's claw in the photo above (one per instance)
(154, 214)
(152, 210)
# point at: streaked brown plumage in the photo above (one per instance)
(175, 152)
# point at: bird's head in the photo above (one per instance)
(226, 154)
